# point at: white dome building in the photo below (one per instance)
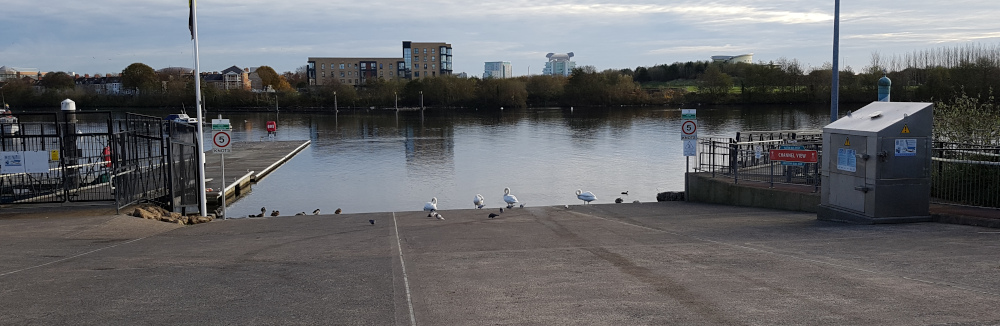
(744, 58)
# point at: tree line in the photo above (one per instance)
(929, 75)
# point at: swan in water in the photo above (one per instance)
(431, 207)
(508, 198)
(479, 201)
(586, 197)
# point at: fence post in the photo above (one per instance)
(712, 142)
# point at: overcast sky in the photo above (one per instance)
(102, 36)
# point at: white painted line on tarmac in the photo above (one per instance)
(406, 281)
(71, 257)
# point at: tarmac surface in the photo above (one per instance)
(626, 264)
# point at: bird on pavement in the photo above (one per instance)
(478, 201)
(275, 213)
(508, 198)
(262, 211)
(619, 200)
(337, 211)
(316, 212)
(438, 216)
(300, 213)
(492, 215)
(431, 207)
(586, 197)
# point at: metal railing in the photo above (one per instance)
(746, 158)
(965, 174)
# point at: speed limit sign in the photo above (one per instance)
(221, 139)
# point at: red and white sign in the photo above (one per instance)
(794, 155)
(272, 126)
(221, 141)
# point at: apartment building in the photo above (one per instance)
(419, 60)
(498, 69)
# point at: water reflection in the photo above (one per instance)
(387, 160)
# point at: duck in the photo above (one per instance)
(262, 211)
(431, 207)
(508, 198)
(316, 212)
(300, 213)
(336, 211)
(478, 201)
(619, 200)
(438, 216)
(275, 213)
(492, 215)
(586, 197)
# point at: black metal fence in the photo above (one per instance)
(91, 156)
(746, 157)
(54, 157)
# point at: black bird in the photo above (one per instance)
(337, 211)
(501, 209)
(618, 200)
(625, 193)
(492, 215)
(316, 212)
(372, 222)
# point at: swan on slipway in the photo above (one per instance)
(508, 198)
(479, 201)
(586, 197)
(431, 207)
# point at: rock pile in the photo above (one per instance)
(670, 196)
(153, 212)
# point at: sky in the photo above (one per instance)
(105, 36)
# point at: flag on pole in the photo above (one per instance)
(191, 5)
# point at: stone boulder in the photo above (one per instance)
(670, 196)
(153, 212)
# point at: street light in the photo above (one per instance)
(335, 102)
(835, 84)
(396, 96)
(421, 100)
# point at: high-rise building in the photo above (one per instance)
(559, 64)
(498, 69)
(419, 60)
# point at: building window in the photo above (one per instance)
(416, 74)
(341, 81)
(390, 73)
(432, 51)
(322, 66)
(324, 74)
(380, 66)
(416, 58)
(425, 66)
(416, 66)
(342, 75)
(433, 57)
(356, 81)
(341, 66)
(425, 50)
(433, 67)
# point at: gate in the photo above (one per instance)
(48, 160)
(85, 156)
(157, 162)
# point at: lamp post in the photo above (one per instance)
(335, 102)
(396, 96)
(835, 84)
(421, 100)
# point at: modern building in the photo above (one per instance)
(744, 58)
(427, 59)
(419, 60)
(559, 64)
(498, 69)
(10, 73)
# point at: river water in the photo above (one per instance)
(380, 161)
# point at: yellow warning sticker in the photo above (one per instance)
(848, 142)
(906, 129)
(54, 155)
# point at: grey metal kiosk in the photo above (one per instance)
(876, 165)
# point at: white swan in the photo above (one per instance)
(508, 198)
(479, 202)
(586, 197)
(431, 206)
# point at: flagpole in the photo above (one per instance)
(197, 93)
